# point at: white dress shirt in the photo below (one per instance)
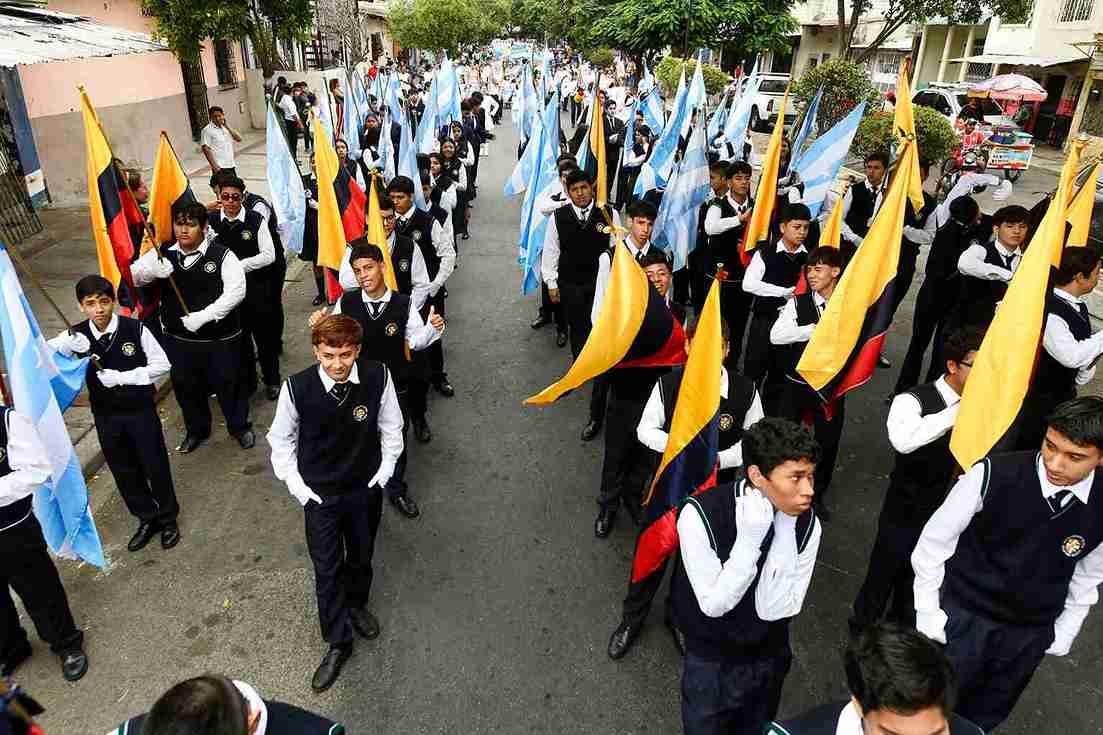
(971, 262)
(290, 110)
(719, 586)
(419, 335)
(1066, 349)
(651, 434)
(221, 145)
(233, 279)
(445, 246)
(717, 224)
(419, 273)
(908, 430)
(848, 234)
(283, 436)
(605, 272)
(964, 186)
(549, 258)
(157, 362)
(552, 199)
(30, 464)
(786, 331)
(752, 279)
(939, 542)
(267, 249)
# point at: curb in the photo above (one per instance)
(88, 449)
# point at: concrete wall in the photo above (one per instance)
(815, 41)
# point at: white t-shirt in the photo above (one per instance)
(221, 144)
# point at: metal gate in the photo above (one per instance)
(195, 92)
(18, 220)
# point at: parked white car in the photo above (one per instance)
(948, 99)
(768, 102)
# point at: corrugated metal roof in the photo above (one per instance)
(35, 36)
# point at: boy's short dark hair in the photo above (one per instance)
(655, 256)
(191, 211)
(577, 176)
(772, 442)
(642, 208)
(231, 182)
(361, 248)
(735, 168)
(960, 343)
(423, 174)
(213, 110)
(1075, 261)
(566, 165)
(895, 669)
(964, 210)
(881, 156)
(1013, 214)
(401, 185)
(1080, 421)
(205, 705)
(825, 255)
(793, 211)
(94, 285)
(720, 167)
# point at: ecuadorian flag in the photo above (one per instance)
(341, 205)
(170, 187)
(758, 228)
(376, 233)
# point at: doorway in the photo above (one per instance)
(195, 93)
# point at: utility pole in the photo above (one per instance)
(685, 40)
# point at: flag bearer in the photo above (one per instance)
(203, 342)
(725, 223)
(987, 267)
(129, 359)
(27, 567)
(1009, 565)
(335, 439)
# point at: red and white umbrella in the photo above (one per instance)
(1009, 87)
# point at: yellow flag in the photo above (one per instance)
(622, 313)
(100, 165)
(597, 149)
(832, 232)
(1080, 210)
(376, 233)
(169, 185)
(903, 123)
(758, 228)
(331, 231)
(1003, 366)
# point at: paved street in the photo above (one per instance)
(496, 605)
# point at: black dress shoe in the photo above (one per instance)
(560, 339)
(74, 664)
(272, 392)
(406, 505)
(170, 535)
(603, 524)
(190, 443)
(622, 639)
(540, 321)
(882, 362)
(422, 432)
(142, 536)
(444, 387)
(247, 439)
(364, 622)
(591, 430)
(677, 636)
(15, 658)
(330, 668)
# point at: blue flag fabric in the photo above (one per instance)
(43, 384)
(448, 94)
(545, 175)
(407, 162)
(820, 164)
(676, 224)
(659, 165)
(350, 125)
(394, 96)
(807, 126)
(735, 129)
(426, 137)
(285, 184)
(653, 113)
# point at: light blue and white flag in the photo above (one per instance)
(807, 126)
(407, 162)
(378, 91)
(653, 113)
(426, 138)
(676, 224)
(735, 129)
(820, 164)
(394, 96)
(696, 96)
(548, 124)
(716, 121)
(359, 93)
(386, 161)
(448, 93)
(659, 165)
(350, 125)
(285, 184)
(545, 176)
(43, 383)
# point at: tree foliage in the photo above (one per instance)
(541, 19)
(899, 13)
(602, 58)
(845, 84)
(184, 25)
(669, 72)
(934, 133)
(447, 25)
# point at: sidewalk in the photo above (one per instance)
(65, 250)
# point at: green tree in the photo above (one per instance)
(184, 24)
(447, 25)
(844, 83)
(935, 136)
(541, 20)
(669, 72)
(602, 58)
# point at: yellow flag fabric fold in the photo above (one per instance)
(99, 164)
(903, 122)
(1004, 364)
(597, 149)
(832, 234)
(376, 233)
(1080, 210)
(331, 230)
(169, 185)
(758, 227)
(622, 313)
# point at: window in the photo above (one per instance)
(225, 63)
(888, 63)
(1074, 11)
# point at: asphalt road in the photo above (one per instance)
(496, 605)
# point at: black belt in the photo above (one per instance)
(15, 513)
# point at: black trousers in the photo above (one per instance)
(340, 535)
(292, 129)
(278, 277)
(397, 486)
(261, 323)
(30, 572)
(735, 307)
(905, 274)
(434, 353)
(637, 603)
(993, 661)
(756, 357)
(933, 305)
(552, 311)
(134, 447)
(202, 368)
(577, 300)
(683, 280)
(627, 463)
(731, 697)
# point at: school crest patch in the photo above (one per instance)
(1072, 546)
(359, 413)
(391, 330)
(416, 234)
(726, 421)
(247, 236)
(128, 349)
(210, 267)
(404, 265)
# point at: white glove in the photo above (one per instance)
(110, 378)
(162, 268)
(1060, 646)
(931, 623)
(303, 494)
(194, 322)
(68, 344)
(754, 514)
(1003, 192)
(379, 480)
